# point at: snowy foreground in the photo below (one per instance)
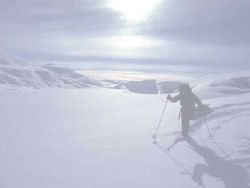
(102, 138)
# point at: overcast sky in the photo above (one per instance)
(202, 32)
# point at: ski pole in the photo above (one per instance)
(216, 143)
(159, 124)
(208, 130)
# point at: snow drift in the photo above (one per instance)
(222, 85)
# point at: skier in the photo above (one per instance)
(188, 101)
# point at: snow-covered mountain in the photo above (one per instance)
(18, 74)
(14, 73)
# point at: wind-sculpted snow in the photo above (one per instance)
(222, 85)
(15, 74)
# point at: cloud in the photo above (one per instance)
(224, 22)
(30, 24)
(200, 31)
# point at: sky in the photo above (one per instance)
(214, 33)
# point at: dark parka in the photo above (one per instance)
(188, 101)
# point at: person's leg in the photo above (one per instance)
(185, 125)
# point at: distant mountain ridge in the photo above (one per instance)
(14, 73)
(19, 74)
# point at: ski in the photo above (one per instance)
(176, 141)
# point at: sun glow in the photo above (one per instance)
(131, 42)
(134, 10)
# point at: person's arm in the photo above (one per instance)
(174, 99)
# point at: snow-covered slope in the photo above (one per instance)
(223, 85)
(14, 73)
(102, 138)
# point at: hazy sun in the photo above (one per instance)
(134, 10)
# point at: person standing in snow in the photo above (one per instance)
(188, 101)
